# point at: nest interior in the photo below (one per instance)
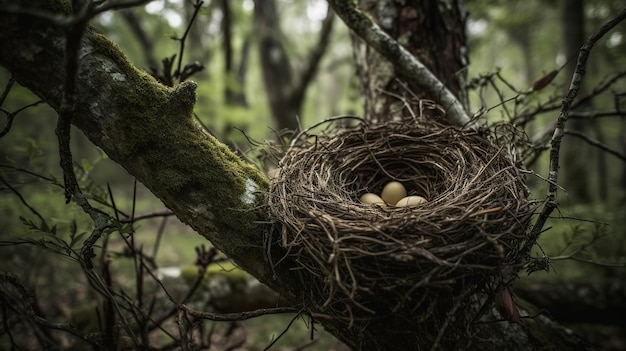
(422, 259)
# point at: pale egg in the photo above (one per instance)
(393, 192)
(369, 198)
(413, 200)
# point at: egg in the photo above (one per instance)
(413, 200)
(393, 192)
(369, 198)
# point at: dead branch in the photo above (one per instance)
(553, 173)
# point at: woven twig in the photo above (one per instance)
(424, 259)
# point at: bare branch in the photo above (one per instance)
(559, 131)
(226, 317)
(196, 6)
(597, 114)
(22, 200)
(403, 60)
(596, 143)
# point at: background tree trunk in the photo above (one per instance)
(433, 31)
(146, 43)
(575, 155)
(285, 87)
(234, 91)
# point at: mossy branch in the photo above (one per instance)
(144, 126)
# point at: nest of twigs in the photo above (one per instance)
(424, 260)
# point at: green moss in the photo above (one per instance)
(159, 141)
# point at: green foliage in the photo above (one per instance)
(585, 242)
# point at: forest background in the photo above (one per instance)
(512, 44)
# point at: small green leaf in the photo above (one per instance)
(87, 166)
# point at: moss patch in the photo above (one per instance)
(157, 139)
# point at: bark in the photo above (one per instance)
(433, 32)
(148, 129)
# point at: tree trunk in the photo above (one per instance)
(575, 155)
(149, 130)
(285, 87)
(147, 46)
(433, 31)
(234, 90)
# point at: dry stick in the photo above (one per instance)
(240, 316)
(559, 131)
(402, 59)
(597, 114)
(21, 198)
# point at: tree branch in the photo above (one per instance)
(559, 131)
(313, 58)
(415, 72)
(595, 143)
(226, 317)
(147, 128)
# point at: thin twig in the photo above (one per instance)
(269, 346)
(22, 200)
(196, 6)
(11, 116)
(151, 215)
(7, 89)
(597, 114)
(594, 262)
(595, 143)
(241, 316)
(559, 131)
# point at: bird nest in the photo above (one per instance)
(424, 259)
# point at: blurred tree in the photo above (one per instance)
(234, 91)
(285, 87)
(146, 43)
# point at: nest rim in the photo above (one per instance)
(471, 179)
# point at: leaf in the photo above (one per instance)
(87, 166)
(76, 239)
(126, 229)
(544, 81)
